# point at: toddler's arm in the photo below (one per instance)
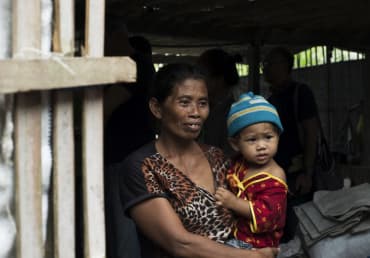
(229, 200)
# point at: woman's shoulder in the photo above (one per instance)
(142, 152)
(136, 158)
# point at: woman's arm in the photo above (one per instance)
(158, 221)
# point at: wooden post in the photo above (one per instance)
(27, 34)
(254, 68)
(366, 113)
(329, 94)
(92, 139)
(63, 139)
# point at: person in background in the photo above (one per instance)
(296, 105)
(128, 124)
(222, 78)
(141, 45)
(167, 186)
(257, 182)
(127, 127)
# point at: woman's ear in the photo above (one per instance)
(155, 108)
(234, 143)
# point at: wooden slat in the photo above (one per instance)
(93, 194)
(64, 182)
(28, 191)
(64, 25)
(92, 140)
(26, 26)
(28, 175)
(42, 74)
(63, 135)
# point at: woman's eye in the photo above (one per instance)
(184, 102)
(203, 103)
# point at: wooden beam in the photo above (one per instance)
(92, 140)
(47, 74)
(63, 142)
(28, 190)
(173, 58)
(253, 55)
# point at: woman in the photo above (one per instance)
(168, 185)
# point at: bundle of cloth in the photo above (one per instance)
(336, 223)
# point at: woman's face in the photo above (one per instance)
(183, 113)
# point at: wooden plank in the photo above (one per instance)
(63, 139)
(28, 175)
(28, 190)
(42, 74)
(64, 25)
(93, 194)
(94, 28)
(92, 140)
(64, 176)
(26, 26)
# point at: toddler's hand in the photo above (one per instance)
(224, 197)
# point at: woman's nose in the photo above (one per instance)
(194, 110)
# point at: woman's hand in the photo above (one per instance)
(268, 252)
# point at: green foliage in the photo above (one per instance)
(317, 56)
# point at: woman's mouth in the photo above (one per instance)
(193, 127)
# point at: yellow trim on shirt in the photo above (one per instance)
(253, 222)
(263, 179)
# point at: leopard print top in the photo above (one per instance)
(149, 175)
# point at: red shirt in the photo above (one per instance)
(266, 195)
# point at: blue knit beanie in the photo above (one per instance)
(251, 109)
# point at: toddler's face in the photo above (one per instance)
(257, 143)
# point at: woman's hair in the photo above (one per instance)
(171, 75)
(218, 63)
